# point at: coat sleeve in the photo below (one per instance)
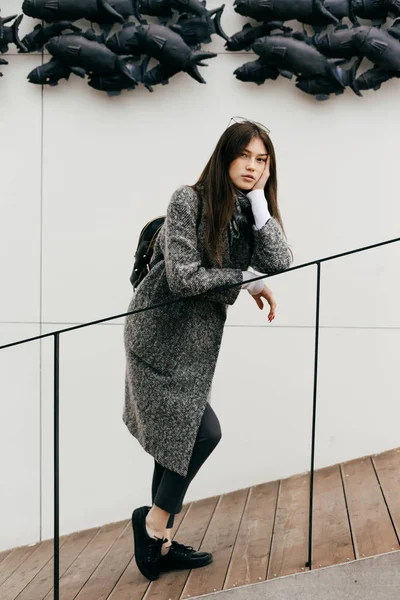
(271, 252)
(185, 275)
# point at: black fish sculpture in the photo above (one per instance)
(162, 8)
(51, 72)
(9, 35)
(296, 54)
(340, 9)
(321, 87)
(114, 84)
(373, 78)
(196, 30)
(169, 48)
(40, 35)
(337, 43)
(125, 41)
(193, 30)
(283, 10)
(86, 52)
(373, 10)
(258, 72)
(380, 46)
(97, 11)
(249, 34)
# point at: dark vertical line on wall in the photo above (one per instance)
(40, 314)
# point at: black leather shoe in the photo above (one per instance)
(180, 556)
(147, 549)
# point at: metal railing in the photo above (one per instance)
(56, 335)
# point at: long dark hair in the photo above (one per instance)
(218, 191)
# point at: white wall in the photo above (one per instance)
(68, 235)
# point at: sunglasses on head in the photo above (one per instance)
(243, 119)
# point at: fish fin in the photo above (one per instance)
(51, 5)
(218, 27)
(159, 41)
(332, 69)
(15, 33)
(285, 73)
(341, 26)
(124, 69)
(379, 46)
(394, 32)
(352, 77)
(78, 71)
(279, 51)
(111, 11)
(265, 4)
(7, 19)
(320, 8)
(321, 97)
(74, 50)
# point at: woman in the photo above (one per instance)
(213, 231)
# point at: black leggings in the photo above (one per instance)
(169, 488)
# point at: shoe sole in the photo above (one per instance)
(143, 571)
(194, 566)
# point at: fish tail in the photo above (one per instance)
(353, 83)
(332, 67)
(124, 69)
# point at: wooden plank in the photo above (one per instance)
(42, 584)
(191, 532)
(110, 568)
(387, 466)
(372, 529)
(81, 569)
(251, 552)
(4, 554)
(332, 542)
(15, 560)
(29, 569)
(219, 539)
(289, 551)
(132, 585)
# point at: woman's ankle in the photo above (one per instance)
(157, 520)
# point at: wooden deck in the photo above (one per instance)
(254, 534)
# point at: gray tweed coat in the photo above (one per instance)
(171, 351)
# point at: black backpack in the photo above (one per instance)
(145, 248)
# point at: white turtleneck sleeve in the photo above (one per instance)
(261, 215)
(253, 287)
(259, 207)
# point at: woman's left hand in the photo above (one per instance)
(260, 184)
(266, 293)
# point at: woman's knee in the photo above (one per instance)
(210, 429)
(214, 434)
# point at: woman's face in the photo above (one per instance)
(250, 162)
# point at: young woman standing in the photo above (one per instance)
(213, 231)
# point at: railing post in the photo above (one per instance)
(56, 467)
(309, 563)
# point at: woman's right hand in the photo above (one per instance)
(266, 293)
